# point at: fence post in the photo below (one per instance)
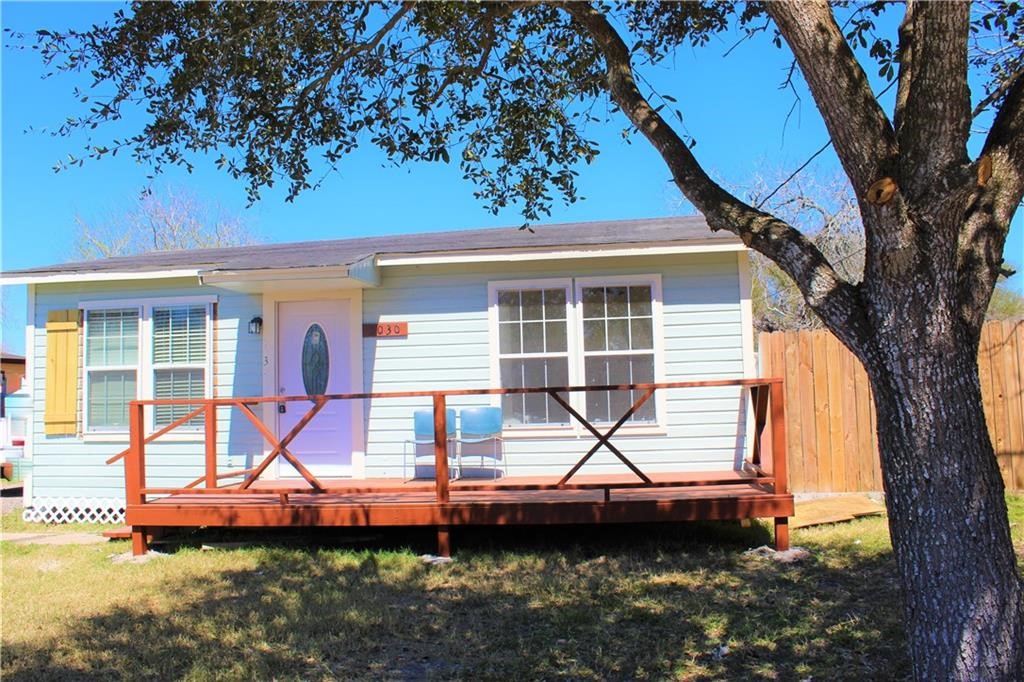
(135, 472)
(210, 423)
(441, 447)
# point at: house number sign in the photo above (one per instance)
(385, 329)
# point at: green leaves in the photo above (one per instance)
(273, 87)
(277, 91)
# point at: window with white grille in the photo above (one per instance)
(111, 367)
(618, 348)
(533, 350)
(590, 331)
(145, 350)
(179, 360)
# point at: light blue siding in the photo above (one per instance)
(73, 467)
(448, 347)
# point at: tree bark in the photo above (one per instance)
(948, 522)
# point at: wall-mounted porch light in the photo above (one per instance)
(256, 325)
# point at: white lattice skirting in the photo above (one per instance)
(75, 510)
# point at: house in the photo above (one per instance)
(617, 302)
(13, 367)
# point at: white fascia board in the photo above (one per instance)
(273, 274)
(506, 255)
(69, 277)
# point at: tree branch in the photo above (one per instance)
(355, 49)
(935, 103)
(994, 96)
(489, 19)
(860, 130)
(980, 248)
(836, 301)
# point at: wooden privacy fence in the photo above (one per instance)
(830, 414)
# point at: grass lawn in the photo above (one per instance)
(654, 602)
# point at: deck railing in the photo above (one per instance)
(766, 402)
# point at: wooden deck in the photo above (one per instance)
(759, 491)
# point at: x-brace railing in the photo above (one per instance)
(603, 439)
(766, 400)
(280, 447)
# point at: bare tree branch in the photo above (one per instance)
(860, 130)
(170, 220)
(836, 301)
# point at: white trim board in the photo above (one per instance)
(596, 251)
(66, 277)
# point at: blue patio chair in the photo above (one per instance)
(423, 434)
(480, 425)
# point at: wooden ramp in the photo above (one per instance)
(834, 510)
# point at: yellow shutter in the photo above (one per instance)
(61, 417)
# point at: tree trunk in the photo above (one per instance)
(947, 514)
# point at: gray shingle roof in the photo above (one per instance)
(344, 252)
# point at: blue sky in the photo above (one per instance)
(732, 106)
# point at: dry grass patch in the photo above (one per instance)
(631, 603)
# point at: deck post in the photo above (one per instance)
(441, 448)
(779, 461)
(210, 419)
(781, 533)
(444, 541)
(134, 472)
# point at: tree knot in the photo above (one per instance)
(881, 191)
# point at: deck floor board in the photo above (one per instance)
(515, 500)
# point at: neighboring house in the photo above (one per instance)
(13, 367)
(595, 303)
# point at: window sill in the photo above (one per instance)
(635, 430)
(121, 437)
(579, 432)
(540, 432)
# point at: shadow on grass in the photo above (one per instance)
(649, 602)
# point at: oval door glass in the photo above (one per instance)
(316, 362)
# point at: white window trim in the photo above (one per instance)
(660, 426)
(574, 317)
(533, 430)
(87, 369)
(145, 367)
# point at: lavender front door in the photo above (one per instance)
(314, 358)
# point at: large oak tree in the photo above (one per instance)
(508, 89)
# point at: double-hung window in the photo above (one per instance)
(111, 367)
(179, 360)
(618, 347)
(594, 331)
(151, 350)
(533, 349)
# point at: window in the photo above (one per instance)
(618, 348)
(158, 350)
(533, 350)
(607, 334)
(111, 367)
(179, 360)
